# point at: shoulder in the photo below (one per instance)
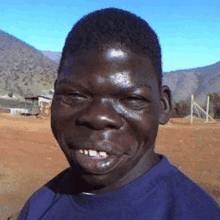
(188, 198)
(179, 182)
(185, 187)
(46, 196)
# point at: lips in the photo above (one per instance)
(96, 165)
(109, 147)
(94, 153)
(96, 158)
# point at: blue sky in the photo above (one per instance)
(189, 32)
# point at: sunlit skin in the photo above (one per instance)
(109, 99)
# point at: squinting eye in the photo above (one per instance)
(75, 95)
(135, 102)
(72, 98)
(133, 98)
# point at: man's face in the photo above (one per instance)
(105, 113)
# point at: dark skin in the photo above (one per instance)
(109, 98)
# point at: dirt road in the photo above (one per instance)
(30, 156)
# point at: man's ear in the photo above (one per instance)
(166, 110)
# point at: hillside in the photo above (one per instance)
(24, 70)
(55, 56)
(198, 81)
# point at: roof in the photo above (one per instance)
(31, 98)
(37, 97)
(47, 94)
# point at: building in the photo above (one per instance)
(41, 103)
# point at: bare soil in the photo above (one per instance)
(30, 156)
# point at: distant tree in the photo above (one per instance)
(215, 101)
(10, 94)
(181, 109)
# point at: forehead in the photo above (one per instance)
(107, 64)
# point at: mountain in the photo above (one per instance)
(55, 56)
(24, 70)
(198, 81)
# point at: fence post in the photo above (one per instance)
(191, 111)
(207, 109)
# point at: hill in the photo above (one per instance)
(198, 81)
(24, 70)
(55, 56)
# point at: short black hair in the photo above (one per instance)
(114, 25)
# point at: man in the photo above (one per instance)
(108, 103)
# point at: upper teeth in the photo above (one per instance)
(93, 153)
(102, 153)
(86, 152)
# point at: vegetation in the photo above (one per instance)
(14, 103)
(215, 107)
(24, 70)
(182, 107)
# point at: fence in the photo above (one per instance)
(197, 108)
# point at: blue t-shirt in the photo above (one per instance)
(161, 193)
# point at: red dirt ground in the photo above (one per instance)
(30, 156)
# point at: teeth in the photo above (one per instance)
(103, 154)
(93, 153)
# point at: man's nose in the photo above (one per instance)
(100, 115)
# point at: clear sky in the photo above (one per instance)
(189, 30)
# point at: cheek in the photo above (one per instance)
(62, 114)
(145, 125)
(59, 118)
(59, 110)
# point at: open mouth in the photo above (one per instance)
(96, 162)
(95, 157)
(94, 154)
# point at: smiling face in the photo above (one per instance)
(105, 115)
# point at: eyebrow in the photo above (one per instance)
(65, 82)
(68, 82)
(118, 90)
(134, 87)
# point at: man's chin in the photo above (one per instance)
(96, 183)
